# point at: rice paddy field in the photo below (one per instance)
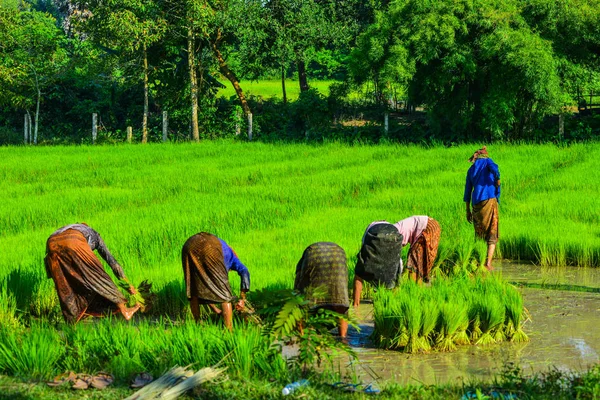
(269, 202)
(271, 89)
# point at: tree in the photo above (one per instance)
(284, 32)
(31, 58)
(477, 66)
(220, 29)
(127, 28)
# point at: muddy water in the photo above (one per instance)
(564, 331)
(560, 277)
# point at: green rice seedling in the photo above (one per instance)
(475, 325)
(389, 318)
(514, 313)
(431, 312)
(461, 337)
(491, 318)
(412, 317)
(33, 353)
(451, 318)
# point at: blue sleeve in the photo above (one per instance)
(493, 168)
(237, 266)
(468, 188)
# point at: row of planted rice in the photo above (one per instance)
(450, 312)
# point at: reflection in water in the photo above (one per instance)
(563, 332)
(577, 276)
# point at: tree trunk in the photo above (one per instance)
(29, 127)
(230, 75)
(283, 84)
(26, 130)
(302, 76)
(193, 85)
(145, 117)
(37, 115)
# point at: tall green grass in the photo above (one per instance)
(125, 350)
(270, 201)
(450, 312)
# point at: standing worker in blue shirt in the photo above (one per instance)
(482, 189)
(207, 261)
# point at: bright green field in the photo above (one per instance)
(269, 202)
(272, 88)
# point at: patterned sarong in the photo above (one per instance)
(485, 220)
(204, 270)
(82, 284)
(423, 252)
(379, 261)
(323, 264)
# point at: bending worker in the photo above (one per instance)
(379, 261)
(482, 189)
(323, 265)
(421, 232)
(83, 287)
(207, 261)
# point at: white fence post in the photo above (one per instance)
(250, 126)
(26, 130)
(165, 126)
(386, 122)
(94, 127)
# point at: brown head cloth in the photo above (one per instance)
(481, 153)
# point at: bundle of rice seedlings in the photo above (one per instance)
(451, 316)
(491, 318)
(200, 377)
(475, 323)
(390, 328)
(429, 321)
(144, 296)
(514, 312)
(411, 310)
(461, 337)
(248, 313)
(175, 382)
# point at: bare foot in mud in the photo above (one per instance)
(128, 312)
(489, 268)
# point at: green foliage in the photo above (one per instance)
(291, 317)
(484, 68)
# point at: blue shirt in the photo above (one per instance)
(481, 181)
(232, 262)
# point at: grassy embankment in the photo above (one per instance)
(269, 202)
(553, 385)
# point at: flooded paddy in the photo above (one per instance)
(563, 331)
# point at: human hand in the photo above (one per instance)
(469, 216)
(498, 183)
(132, 290)
(239, 306)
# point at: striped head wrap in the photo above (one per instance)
(481, 153)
